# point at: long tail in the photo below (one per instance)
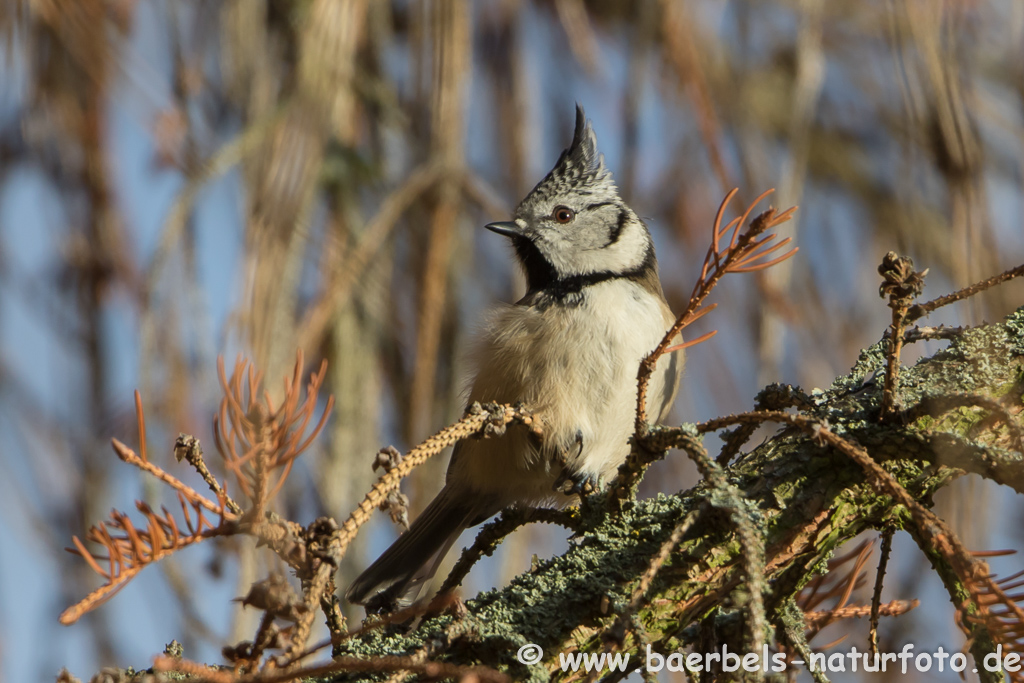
(414, 557)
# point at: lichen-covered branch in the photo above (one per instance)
(803, 496)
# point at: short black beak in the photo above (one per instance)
(506, 228)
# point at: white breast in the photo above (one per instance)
(575, 367)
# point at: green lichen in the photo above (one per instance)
(1014, 324)
(783, 483)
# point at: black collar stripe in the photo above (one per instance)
(544, 283)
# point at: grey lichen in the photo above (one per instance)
(806, 500)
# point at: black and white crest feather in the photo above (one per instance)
(580, 165)
(582, 153)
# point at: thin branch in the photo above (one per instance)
(489, 419)
(902, 284)
(132, 550)
(188, 448)
(742, 255)
(128, 455)
(876, 594)
(841, 590)
(921, 310)
(254, 438)
(751, 543)
(486, 542)
(817, 620)
(929, 333)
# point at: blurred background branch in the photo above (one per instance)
(180, 179)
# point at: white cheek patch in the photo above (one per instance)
(560, 253)
(622, 255)
(573, 253)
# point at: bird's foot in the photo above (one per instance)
(571, 481)
(577, 483)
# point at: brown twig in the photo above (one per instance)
(876, 593)
(130, 549)
(188, 448)
(312, 594)
(246, 655)
(999, 611)
(496, 530)
(841, 588)
(745, 252)
(818, 620)
(902, 284)
(921, 310)
(488, 419)
(838, 581)
(141, 460)
(614, 635)
(270, 439)
(254, 438)
(129, 456)
(930, 530)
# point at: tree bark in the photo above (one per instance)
(804, 499)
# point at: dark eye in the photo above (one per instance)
(563, 214)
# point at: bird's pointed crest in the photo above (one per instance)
(583, 150)
(580, 165)
(582, 160)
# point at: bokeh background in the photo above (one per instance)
(181, 179)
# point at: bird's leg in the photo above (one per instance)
(572, 481)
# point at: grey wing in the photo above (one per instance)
(665, 380)
(665, 385)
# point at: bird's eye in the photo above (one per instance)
(563, 214)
